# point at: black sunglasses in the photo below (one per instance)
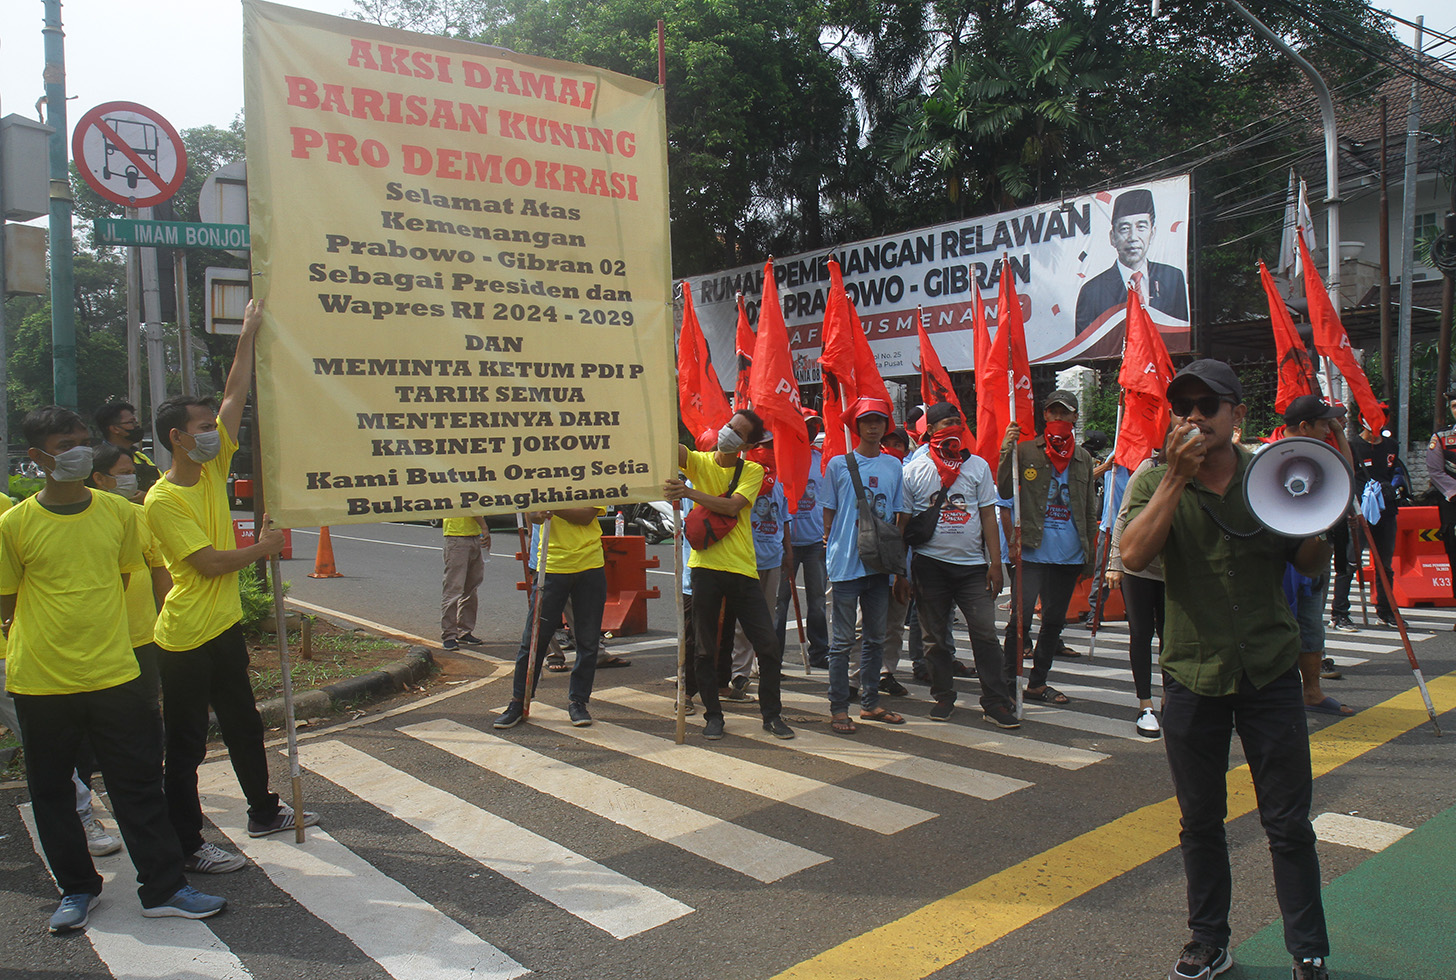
(1208, 405)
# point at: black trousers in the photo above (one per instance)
(745, 603)
(215, 674)
(1349, 546)
(940, 588)
(1448, 536)
(120, 723)
(723, 658)
(1143, 598)
(1054, 584)
(1271, 725)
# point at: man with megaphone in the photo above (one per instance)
(1230, 658)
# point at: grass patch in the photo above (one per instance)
(336, 654)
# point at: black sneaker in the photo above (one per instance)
(1311, 969)
(776, 727)
(1343, 624)
(737, 689)
(511, 717)
(449, 645)
(1328, 671)
(713, 728)
(1200, 961)
(578, 714)
(471, 639)
(941, 710)
(1001, 717)
(892, 687)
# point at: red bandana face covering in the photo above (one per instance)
(1060, 444)
(763, 456)
(945, 451)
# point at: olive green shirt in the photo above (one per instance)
(1226, 613)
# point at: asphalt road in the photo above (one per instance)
(947, 851)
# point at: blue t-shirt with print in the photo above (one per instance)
(808, 524)
(1060, 542)
(884, 487)
(770, 511)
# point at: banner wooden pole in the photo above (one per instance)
(1410, 653)
(1016, 598)
(536, 618)
(682, 627)
(285, 664)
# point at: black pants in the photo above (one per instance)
(1144, 600)
(587, 591)
(215, 674)
(1448, 536)
(1347, 562)
(745, 603)
(940, 588)
(1054, 584)
(121, 725)
(1271, 726)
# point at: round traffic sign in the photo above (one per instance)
(129, 154)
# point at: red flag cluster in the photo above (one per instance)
(1296, 367)
(1006, 369)
(774, 392)
(935, 384)
(849, 366)
(1146, 371)
(700, 396)
(1331, 341)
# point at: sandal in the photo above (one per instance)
(1047, 695)
(842, 725)
(557, 666)
(884, 715)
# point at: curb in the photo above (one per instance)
(417, 664)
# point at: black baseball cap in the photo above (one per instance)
(1217, 375)
(1064, 398)
(941, 411)
(1311, 408)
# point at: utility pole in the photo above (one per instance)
(63, 303)
(1407, 249)
(1387, 365)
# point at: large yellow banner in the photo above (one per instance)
(463, 253)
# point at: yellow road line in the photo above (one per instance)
(946, 930)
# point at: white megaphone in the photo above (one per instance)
(1299, 487)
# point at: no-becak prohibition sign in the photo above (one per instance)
(129, 154)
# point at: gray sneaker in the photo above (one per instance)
(187, 903)
(98, 841)
(73, 913)
(209, 859)
(713, 728)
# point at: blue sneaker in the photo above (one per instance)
(73, 913)
(187, 903)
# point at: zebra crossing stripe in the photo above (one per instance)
(1098, 695)
(404, 934)
(131, 945)
(1081, 721)
(859, 754)
(1011, 746)
(608, 900)
(711, 838)
(844, 805)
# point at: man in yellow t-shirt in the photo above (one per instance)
(725, 574)
(467, 542)
(65, 557)
(204, 659)
(575, 571)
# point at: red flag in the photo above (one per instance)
(1009, 324)
(934, 379)
(700, 396)
(1331, 341)
(1296, 367)
(848, 365)
(775, 393)
(743, 344)
(1146, 371)
(988, 431)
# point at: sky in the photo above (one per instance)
(183, 58)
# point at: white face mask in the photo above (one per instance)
(209, 444)
(72, 465)
(728, 440)
(126, 485)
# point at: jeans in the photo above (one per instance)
(1347, 562)
(215, 674)
(816, 584)
(894, 640)
(720, 597)
(1144, 600)
(940, 587)
(1054, 584)
(870, 595)
(120, 722)
(1271, 726)
(587, 591)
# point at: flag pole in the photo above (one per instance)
(799, 620)
(536, 618)
(290, 728)
(1102, 550)
(1017, 599)
(682, 636)
(1410, 653)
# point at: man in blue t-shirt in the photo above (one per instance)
(855, 588)
(806, 534)
(1058, 517)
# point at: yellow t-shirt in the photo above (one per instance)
(141, 599)
(461, 527)
(70, 631)
(735, 552)
(573, 547)
(185, 520)
(5, 504)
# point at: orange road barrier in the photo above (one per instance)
(627, 591)
(243, 536)
(323, 562)
(1422, 572)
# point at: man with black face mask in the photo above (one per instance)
(118, 424)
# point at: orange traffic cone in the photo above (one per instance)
(323, 562)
